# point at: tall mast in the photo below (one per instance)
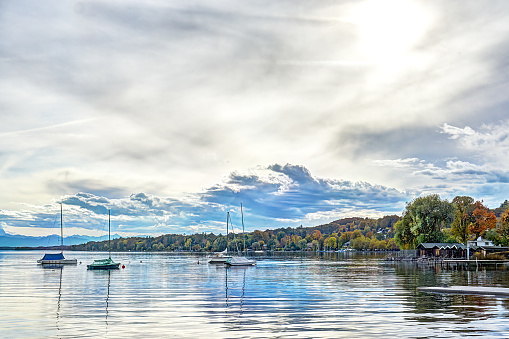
(109, 225)
(243, 237)
(61, 228)
(227, 217)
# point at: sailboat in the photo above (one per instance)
(105, 264)
(239, 260)
(221, 257)
(58, 258)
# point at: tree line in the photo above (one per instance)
(434, 220)
(425, 219)
(356, 233)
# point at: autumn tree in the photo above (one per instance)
(316, 235)
(483, 220)
(464, 206)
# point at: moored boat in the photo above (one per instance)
(105, 264)
(58, 258)
(239, 261)
(219, 258)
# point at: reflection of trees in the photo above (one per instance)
(433, 307)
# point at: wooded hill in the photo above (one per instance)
(358, 233)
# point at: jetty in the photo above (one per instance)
(482, 290)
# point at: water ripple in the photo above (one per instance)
(169, 295)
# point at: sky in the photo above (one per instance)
(171, 113)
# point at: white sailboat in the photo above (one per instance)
(221, 257)
(58, 258)
(240, 260)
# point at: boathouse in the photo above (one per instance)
(444, 250)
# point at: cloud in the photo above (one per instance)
(113, 98)
(272, 196)
(490, 142)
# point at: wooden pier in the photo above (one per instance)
(464, 263)
(450, 263)
(482, 290)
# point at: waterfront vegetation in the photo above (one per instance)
(425, 219)
(429, 219)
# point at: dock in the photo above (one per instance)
(482, 290)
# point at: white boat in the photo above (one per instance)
(239, 261)
(219, 258)
(58, 258)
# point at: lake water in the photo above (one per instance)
(167, 295)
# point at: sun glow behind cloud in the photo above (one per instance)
(389, 29)
(168, 97)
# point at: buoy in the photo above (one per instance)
(198, 262)
(123, 266)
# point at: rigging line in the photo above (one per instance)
(233, 231)
(51, 235)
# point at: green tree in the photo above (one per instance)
(464, 206)
(219, 244)
(331, 242)
(316, 245)
(404, 236)
(302, 244)
(424, 218)
(503, 228)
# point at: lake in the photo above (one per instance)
(171, 295)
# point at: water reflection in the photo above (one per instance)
(108, 296)
(59, 297)
(292, 295)
(228, 302)
(448, 308)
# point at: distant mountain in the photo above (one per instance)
(7, 240)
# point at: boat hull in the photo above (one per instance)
(103, 267)
(58, 262)
(239, 261)
(103, 264)
(217, 260)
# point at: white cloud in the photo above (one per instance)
(166, 97)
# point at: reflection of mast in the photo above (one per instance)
(242, 295)
(59, 297)
(108, 296)
(226, 289)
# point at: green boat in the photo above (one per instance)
(105, 264)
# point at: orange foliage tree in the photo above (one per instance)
(483, 220)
